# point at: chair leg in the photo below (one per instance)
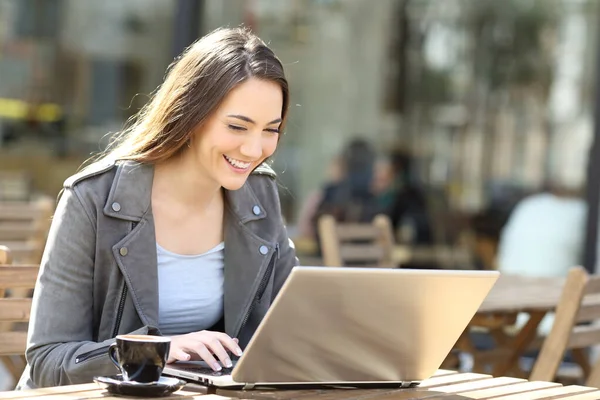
(593, 379)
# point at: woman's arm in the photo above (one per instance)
(60, 346)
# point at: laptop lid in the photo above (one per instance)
(331, 324)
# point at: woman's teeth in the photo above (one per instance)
(237, 163)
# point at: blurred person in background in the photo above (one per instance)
(306, 217)
(400, 198)
(345, 194)
(544, 236)
(167, 233)
(349, 198)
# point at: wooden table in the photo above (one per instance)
(513, 294)
(447, 385)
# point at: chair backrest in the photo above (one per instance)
(19, 279)
(15, 185)
(24, 227)
(5, 256)
(573, 327)
(356, 244)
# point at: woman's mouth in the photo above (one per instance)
(238, 165)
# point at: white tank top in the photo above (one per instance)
(190, 290)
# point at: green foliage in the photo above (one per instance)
(511, 41)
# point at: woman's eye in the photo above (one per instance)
(236, 127)
(274, 130)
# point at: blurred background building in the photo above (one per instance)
(492, 100)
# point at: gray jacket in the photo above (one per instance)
(98, 275)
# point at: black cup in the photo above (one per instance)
(140, 358)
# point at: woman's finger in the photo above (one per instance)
(204, 353)
(230, 344)
(216, 347)
(177, 354)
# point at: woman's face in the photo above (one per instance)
(241, 133)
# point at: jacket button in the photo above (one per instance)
(123, 251)
(116, 206)
(256, 210)
(263, 250)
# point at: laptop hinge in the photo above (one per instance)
(406, 384)
(248, 386)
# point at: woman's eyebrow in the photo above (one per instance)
(250, 120)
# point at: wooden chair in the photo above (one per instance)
(352, 244)
(5, 257)
(15, 185)
(24, 227)
(14, 311)
(573, 329)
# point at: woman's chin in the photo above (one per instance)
(234, 183)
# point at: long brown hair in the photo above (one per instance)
(195, 84)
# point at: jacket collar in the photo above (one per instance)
(131, 192)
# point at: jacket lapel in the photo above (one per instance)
(130, 200)
(246, 256)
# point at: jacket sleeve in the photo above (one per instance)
(61, 328)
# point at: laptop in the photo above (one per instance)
(355, 327)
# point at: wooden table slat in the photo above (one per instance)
(522, 293)
(583, 396)
(24, 394)
(442, 372)
(405, 394)
(517, 389)
(271, 394)
(477, 385)
(179, 395)
(444, 378)
(443, 385)
(182, 395)
(452, 379)
(96, 393)
(93, 391)
(421, 392)
(551, 393)
(354, 394)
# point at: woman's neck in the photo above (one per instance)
(181, 181)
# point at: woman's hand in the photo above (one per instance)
(204, 345)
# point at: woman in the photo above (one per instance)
(177, 230)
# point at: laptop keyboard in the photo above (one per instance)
(207, 371)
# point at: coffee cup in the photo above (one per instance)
(140, 358)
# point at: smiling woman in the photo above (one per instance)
(176, 230)
(240, 135)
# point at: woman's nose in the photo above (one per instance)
(252, 147)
